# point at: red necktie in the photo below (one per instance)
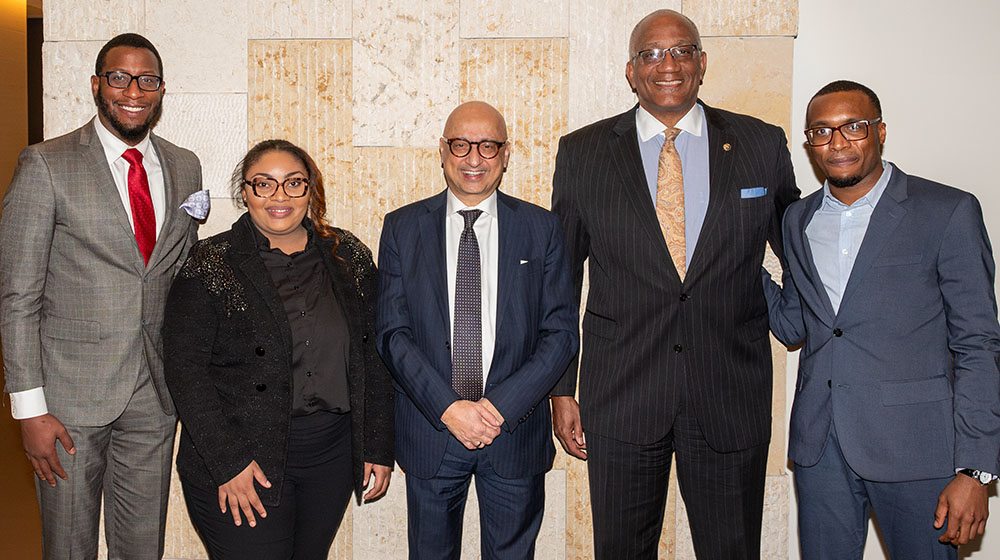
(143, 218)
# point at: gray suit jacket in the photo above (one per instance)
(907, 369)
(80, 313)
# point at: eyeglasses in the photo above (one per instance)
(122, 80)
(680, 53)
(488, 149)
(852, 131)
(266, 187)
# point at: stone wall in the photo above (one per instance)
(365, 88)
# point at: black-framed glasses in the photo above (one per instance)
(680, 53)
(266, 187)
(488, 149)
(852, 131)
(122, 80)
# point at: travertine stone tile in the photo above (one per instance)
(598, 45)
(213, 126)
(300, 91)
(343, 544)
(182, 541)
(757, 17)
(379, 528)
(91, 20)
(668, 533)
(384, 179)
(224, 212)
(514, 18)
(751, 75)
(406, 63)
(579, 522)
(203, 44)
(551, 542)
(299, 19)
(67, 99)
(526, 81)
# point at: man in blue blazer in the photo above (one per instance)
(477, 322)
(890, 288)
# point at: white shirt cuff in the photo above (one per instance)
(28, 404)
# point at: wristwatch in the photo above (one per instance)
(982, 477)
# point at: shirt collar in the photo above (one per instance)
(488, 205)
(113, 146)
(649, 126)
(870, 198)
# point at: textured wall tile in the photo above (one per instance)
(756, 17)
(67, 101)
(182, 541)
(224, 213)
(406, 73)
(379, 528)
(751, 75)
(598, 44)
(551, 542)
(300, 91)
(203, 44)
(526, 81)
(579, 522)
(85, 20)
(514, 18)
(213, 126)
(299, 19)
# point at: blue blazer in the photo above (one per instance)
(536, 333)
(907, 369)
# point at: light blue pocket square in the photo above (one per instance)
(753, 192)
(198, 204)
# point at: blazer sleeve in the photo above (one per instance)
(965, 277)
(26, 233)
(784, 307)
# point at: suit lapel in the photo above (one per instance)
(511, 246)
(430, 228)
(252, 266)
(814, 290)
(720, 164)
(172, 201)
(105, 182)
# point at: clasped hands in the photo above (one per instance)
(474, 423)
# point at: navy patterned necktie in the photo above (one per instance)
(467, 338)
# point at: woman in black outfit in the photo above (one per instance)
(270, 357)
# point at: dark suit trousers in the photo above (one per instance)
(723, 494)
(834, 504)
(510, 509)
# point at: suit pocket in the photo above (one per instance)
(895, 393)
(600, 326)
(71, 329)
(898, 260)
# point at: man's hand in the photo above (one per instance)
(964, 503)
(567, 427)
(381, 484)
(471, 423)
(240, 494)
(493, 410)
(39, 435)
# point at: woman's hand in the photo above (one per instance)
(240, 494)
(381, 484)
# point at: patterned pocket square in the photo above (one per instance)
(753, 192)
(198, 204)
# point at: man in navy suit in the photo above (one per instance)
(890, 288)
(476, 321)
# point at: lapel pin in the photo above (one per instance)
(727, 146)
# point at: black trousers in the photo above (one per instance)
(315, 492)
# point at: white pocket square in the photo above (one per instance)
(524, 261)
(198, 204)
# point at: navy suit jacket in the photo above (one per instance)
(536, 333)
(907, 369)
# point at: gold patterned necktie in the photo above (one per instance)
(670, 201)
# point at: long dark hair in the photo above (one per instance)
(317, 196)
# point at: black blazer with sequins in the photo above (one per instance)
(228, 361)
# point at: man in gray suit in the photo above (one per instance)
(91, 237)
(897, 402)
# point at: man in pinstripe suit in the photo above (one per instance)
(676, 358)
(91, 237)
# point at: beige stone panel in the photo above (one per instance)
(751, 75)
(203, 44)
(182, 541)
(407, 75)
(514, 18)
(379, 528)
(299, 19)
(343, 544)
(526, 80)
(551, 542)
(300, 91)
(66, 95)
(213, 126)
(579, 522)
(224, 212)
(384, 179)
(756, 17)
(91, 20)
(598, 45)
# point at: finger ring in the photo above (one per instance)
(479, 444)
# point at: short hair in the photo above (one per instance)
(847, 85)
(133, 40)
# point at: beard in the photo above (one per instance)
(844, 181)
(129, 134)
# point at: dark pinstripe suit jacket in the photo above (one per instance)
(649, 339)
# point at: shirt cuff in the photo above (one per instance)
(28, 404)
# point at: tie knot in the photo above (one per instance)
(132, 156)
(671, 133)
(470, 217)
